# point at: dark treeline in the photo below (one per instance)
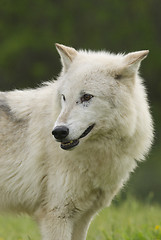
(29, 29)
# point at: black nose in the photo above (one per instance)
(60, 132)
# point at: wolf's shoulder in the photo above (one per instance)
(4, 106)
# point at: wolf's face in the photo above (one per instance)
(95, 95)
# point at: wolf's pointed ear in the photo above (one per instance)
(67, 55)
(133, 60)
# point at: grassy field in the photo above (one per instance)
(130, 220)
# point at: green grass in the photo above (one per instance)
(18, 228)
(129, 220)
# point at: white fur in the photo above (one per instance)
(62, 189)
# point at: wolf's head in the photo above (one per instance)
(100, 96)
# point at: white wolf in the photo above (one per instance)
(97, 109)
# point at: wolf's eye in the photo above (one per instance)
(118, 76)
(86, 97)
(63, 97)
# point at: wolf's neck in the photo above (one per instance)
(24, 104)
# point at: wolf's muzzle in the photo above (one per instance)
(61, 132)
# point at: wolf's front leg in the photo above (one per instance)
(55, 228)
(81, 226)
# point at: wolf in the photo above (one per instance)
(68, 146)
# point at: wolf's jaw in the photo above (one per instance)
(69, 145)
(73, 143)
(87, 131)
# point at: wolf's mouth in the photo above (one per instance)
(73, 143)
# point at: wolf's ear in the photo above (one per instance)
(67, 55)
(133, 60)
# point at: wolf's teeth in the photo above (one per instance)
(68, 143)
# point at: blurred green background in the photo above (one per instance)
(29, 29)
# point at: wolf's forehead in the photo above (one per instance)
(90, 70)
(101, 60)
(90, 74)
(86, 80)
(78, 88)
